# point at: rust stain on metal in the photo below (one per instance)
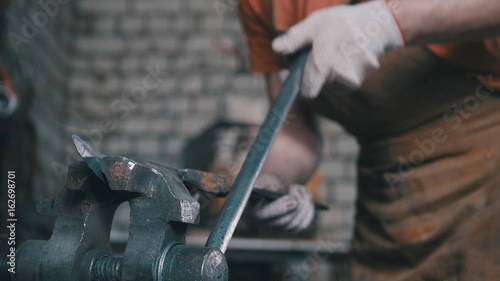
(212, 182)
(195, 180)
(85, 206)
(118, 170)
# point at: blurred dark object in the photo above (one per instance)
(18, 146)
(3, 5)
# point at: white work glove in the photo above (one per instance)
(346, 43)
(285, 216)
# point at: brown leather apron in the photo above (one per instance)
(428, 204)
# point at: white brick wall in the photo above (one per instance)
(102, 7)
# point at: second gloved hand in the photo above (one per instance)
(285, 216)
(346, 43)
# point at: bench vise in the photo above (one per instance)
(161, 207)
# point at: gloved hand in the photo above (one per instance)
(346, 43)
(285, 216)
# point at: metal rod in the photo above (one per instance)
(243, 185)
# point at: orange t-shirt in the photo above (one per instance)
(263, 20)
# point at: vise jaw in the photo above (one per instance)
(161, 207)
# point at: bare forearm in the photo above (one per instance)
(437, 21)
(296, 150)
